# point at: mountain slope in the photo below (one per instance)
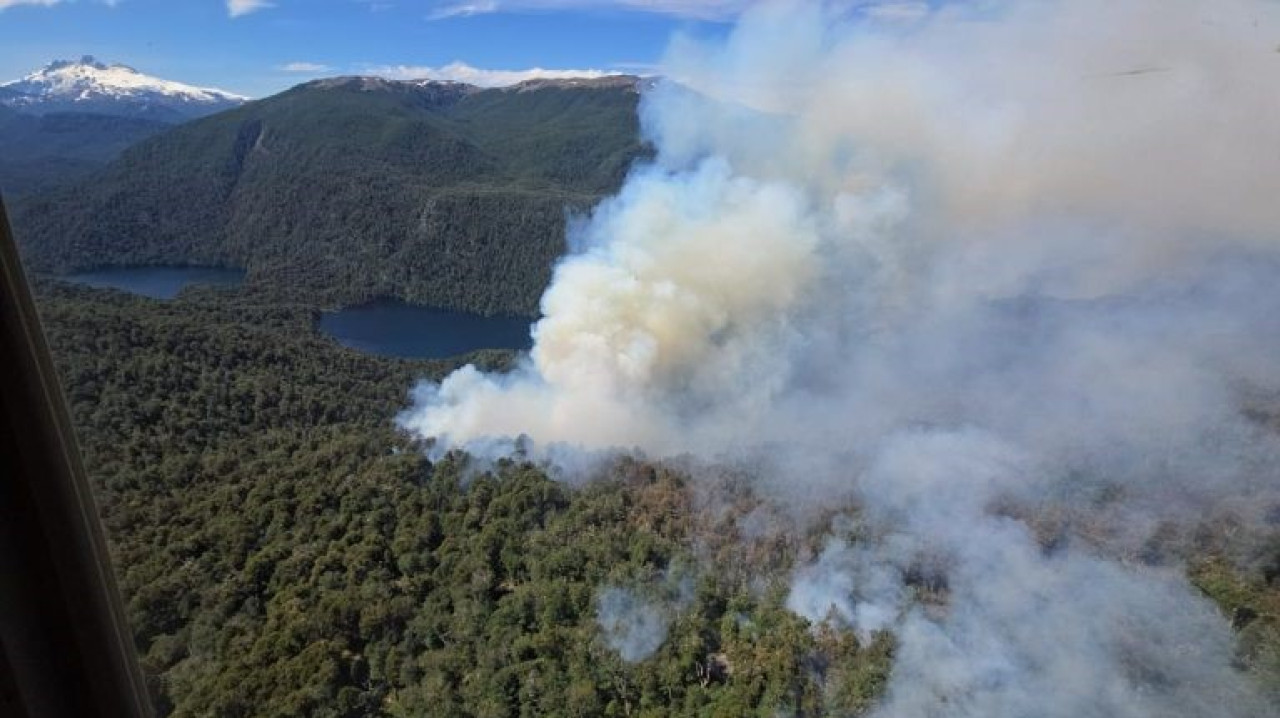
(352, 188)
(90, 86)
(38, 152)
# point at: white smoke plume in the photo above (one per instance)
(980, 255)
(856, 588)
(632, 626)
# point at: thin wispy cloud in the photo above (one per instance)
(236, 8)
(462, 72)
(717, 10)
(637, 68)
(897, 11)
(6, 4)
(464, 9)
(707, 10)
(304, 67)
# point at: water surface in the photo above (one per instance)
(156, 282)
(392, 328)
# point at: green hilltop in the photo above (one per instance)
(347, 189)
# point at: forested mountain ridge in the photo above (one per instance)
(37, 152)
(347, 189)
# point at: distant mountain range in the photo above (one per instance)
(89, 86)
(353, 188)
(70, 118)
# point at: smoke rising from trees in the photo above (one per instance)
(950, 268)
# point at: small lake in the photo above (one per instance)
(392, 328)
(156, 282)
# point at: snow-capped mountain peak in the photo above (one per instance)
(87, 85)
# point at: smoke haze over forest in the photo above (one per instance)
(954, 270)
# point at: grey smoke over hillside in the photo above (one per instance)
(951, 268)
(632, 626)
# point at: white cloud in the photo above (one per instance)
(464, 9)
(694, 9)
(304, 67)
(637, 68)
(243, 7)
(6, 4)
(712, 10)
(462, 72)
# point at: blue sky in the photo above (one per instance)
(258, 48)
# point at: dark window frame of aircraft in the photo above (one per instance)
(65, 646)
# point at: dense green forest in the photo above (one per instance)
(348, 189)
(284, 551)
(39, 152)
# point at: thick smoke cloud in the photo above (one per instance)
(952, 267)
(685, 289)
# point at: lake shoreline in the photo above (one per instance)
(162, 282)
(393, 328)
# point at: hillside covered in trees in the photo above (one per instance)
(285, 551)
(40, 152)
(348, 189)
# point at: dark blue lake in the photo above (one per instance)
(393, 328)
(156, 282)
